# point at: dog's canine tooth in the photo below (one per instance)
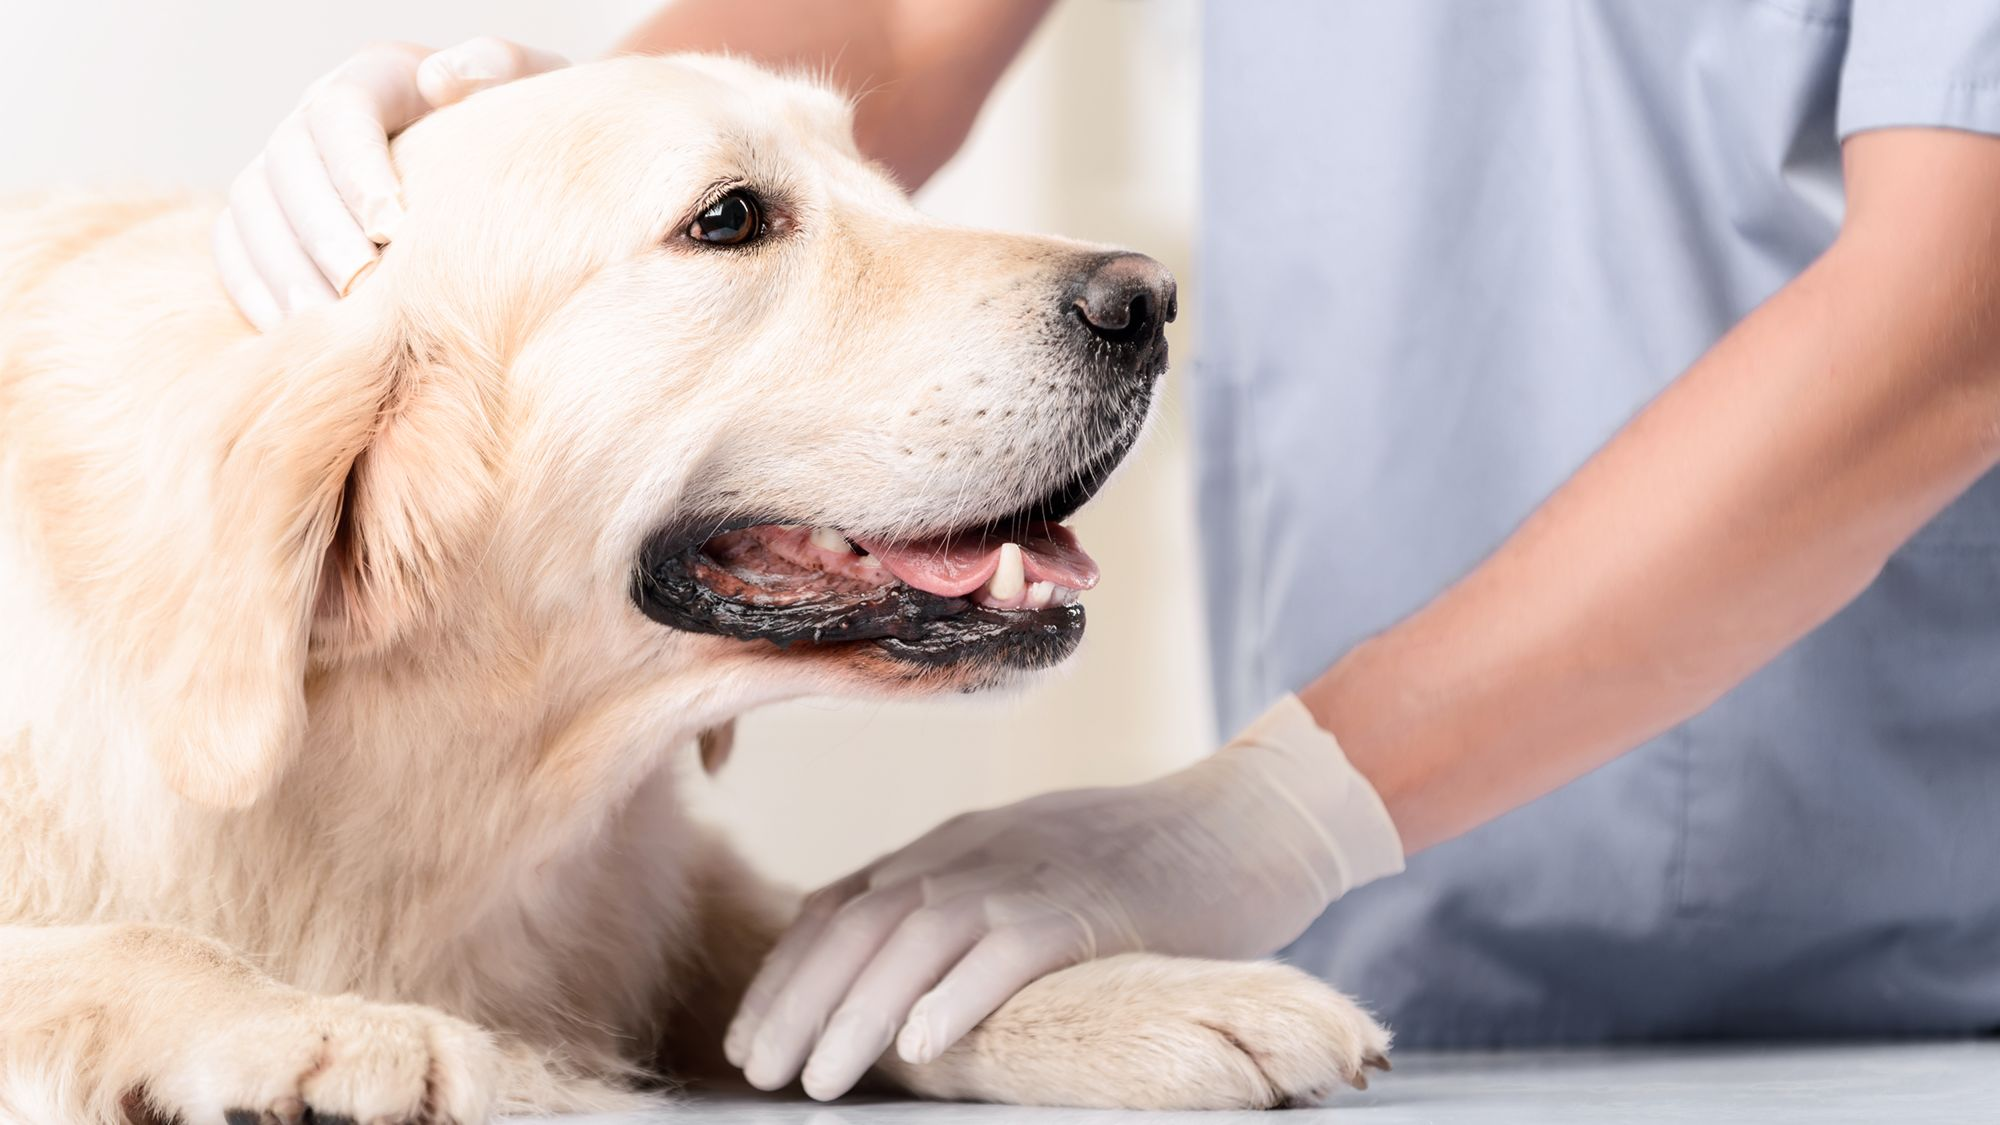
(1011, 578)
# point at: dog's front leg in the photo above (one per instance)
(737, 917)
(105, 1024)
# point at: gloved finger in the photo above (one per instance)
(305, 193)
(460, 71)
(239, 277)
(818, 909)
(272, 246)
(1004, 961)
(915, 958)
(800, 1010)
(351, 117)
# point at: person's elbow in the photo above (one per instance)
(1919, 247)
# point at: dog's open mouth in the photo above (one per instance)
(785, 564)
(1005, 591)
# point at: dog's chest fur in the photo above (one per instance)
(439, 860)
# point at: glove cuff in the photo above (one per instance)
(1309, 769)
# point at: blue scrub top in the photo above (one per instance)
(1450, 246)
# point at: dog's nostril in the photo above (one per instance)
(1139, 312)
(1120, 322)
(1126, 298)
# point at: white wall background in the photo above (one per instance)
(1091, 135)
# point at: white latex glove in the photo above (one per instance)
(1232, 857)
(305, 218)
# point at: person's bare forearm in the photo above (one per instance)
(918, 69)
(1756, 497)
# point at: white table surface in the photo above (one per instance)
(1943, 1083)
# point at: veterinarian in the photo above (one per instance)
(1587, 385)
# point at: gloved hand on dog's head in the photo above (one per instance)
(306, 217)
(1232, 857)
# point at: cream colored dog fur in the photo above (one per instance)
(338, 771)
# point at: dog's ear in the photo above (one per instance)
(320, 526)
(413, 499)
(220, 665)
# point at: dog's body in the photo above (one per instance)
(338, 767)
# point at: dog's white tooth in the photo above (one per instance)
(827, 539)
(1067, 595)
(869, 562)
(1039, 595)
(1012, 577)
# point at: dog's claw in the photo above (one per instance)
(1359, 1079)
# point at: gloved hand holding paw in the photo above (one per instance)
(1231, 857)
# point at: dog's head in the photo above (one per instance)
(662, 374)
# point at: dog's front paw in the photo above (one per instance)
(330, 1061)
(1147, 1032)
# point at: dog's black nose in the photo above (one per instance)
(1127, 299)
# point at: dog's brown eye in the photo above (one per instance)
(731, 221)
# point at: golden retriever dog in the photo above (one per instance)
(350, 674)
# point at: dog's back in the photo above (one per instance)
(119, 261)
(108, 308)
(111, 325)
(105, 306)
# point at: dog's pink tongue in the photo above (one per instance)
(955, 565)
